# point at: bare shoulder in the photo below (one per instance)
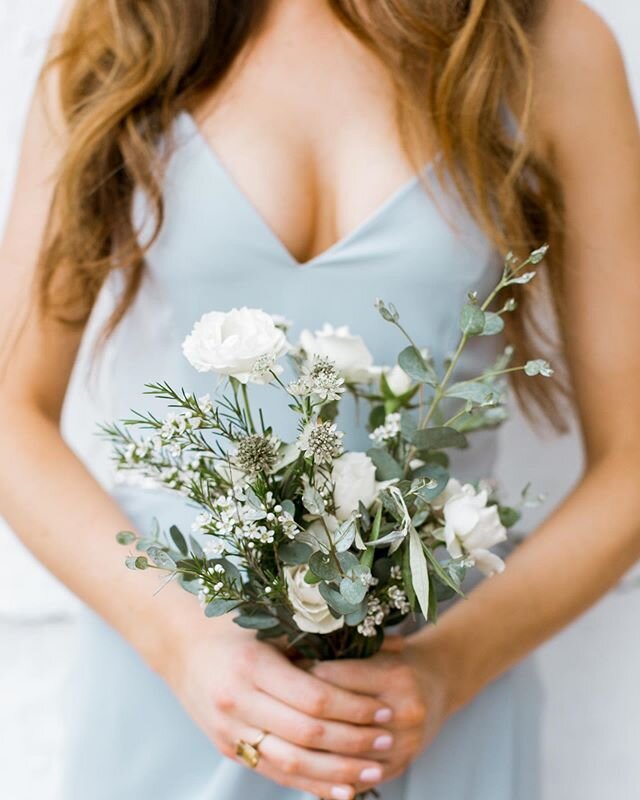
(580, 72)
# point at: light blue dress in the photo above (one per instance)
(130, 738)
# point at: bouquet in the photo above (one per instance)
(300, 539)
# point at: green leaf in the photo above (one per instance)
(376, 417)
(270, 633)
(475, 391)
(191, 585)
(387, 468)
(256, 622)
(412, 362)
(295, 553)
(218, 607)
(161, 558)
(324, 566)
(449, 576)
(438, 438)
(419, 571)
(179, 540)
(310, 578)
(336, 600)
(407, 578)
(493, 324)
(472, 320)
(126, 537)
(367, 557)
(509, 516)
(329, 411)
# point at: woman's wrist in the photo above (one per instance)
(439, 657)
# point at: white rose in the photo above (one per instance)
(398, 380)
(311, 611)
(354, 480)
(242, 343)
(471, 527)
(347, 351)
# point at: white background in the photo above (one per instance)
(591, 724)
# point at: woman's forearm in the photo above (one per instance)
(69, 522)
(578, 554)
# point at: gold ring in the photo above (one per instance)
(249, 752)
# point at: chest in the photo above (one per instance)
(305, 125)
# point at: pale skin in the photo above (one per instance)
(310, 112)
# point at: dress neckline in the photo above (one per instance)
(376, 216)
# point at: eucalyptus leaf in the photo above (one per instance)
(219, 607)
(353, 591)
(387, 468)
(336, 600)
(538, 367)
(475, 391)
(408, 425)
(324, 566)
(412, 362)
(438, 438)
(178, 539)
(126, 537)
(344, 536)
(161, 558)
(472, 320)
(312, 500)
(356, 617)
(419, 571)
(196, 549)
(288, 507)
(257, 622)
(439, 475)
(348, 562)
(493, 324)
(295, 553)
(480, 418)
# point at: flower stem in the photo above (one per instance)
(247, 408)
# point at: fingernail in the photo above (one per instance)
(341, 793)
(383, 715)
(371, 775)
(383, 742)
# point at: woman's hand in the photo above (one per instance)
(322, 739)
(405, 677)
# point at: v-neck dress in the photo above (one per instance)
(129, 737)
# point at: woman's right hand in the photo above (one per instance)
(322, 739)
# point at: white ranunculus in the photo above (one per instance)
(398, 380)
(311, 610)
(243, 343)
(354, 479)
(471, 528)
(348, 352)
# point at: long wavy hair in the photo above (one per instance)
(126, 69)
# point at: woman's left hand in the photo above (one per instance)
(410, 682)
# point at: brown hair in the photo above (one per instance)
(126, 69)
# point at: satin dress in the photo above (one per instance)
(129, 737)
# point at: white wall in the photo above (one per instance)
(591, 736)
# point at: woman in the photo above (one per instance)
(250, 152)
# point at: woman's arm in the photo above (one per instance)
(323, 738)
(594, 537)
(586, 116)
